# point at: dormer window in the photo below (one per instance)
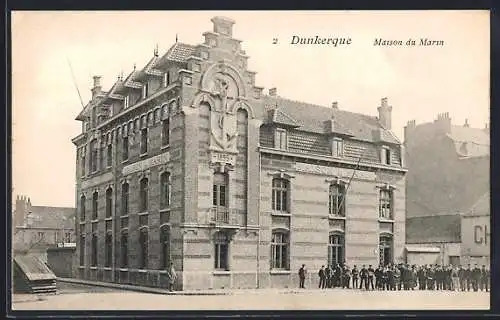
(337, 147)
(385, 155)
(126, 102)
(280, 139)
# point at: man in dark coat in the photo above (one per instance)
(476, 277)
(421, 278)
(461, 277)
(322, 278)
(346, 277)
(430, 278)
(355, 276)
(468, 277)
(378, 277)
(364, 277)
(337, 275)
(302, 276)
(485, 278)
(328, 276)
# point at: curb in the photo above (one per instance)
(140, 289)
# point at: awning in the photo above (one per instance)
(423, 249)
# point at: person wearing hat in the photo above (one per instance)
(485, 278)
(322, 277)
(172, 276)
(302, 276)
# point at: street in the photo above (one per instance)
(79, 297)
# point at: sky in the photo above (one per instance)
(418, 81)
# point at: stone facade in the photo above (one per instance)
(225, 147)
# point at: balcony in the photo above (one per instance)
(223, 216)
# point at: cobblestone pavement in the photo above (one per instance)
(264, 299)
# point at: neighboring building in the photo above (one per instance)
(448, 172)
(476, 233)
(187, 161)
(41, 227)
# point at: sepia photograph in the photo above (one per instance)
(250, 160)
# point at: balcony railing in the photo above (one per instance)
(223, 215)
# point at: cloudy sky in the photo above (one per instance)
(420, 82)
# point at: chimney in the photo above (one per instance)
(96, 89)
(223, 25)
(443, 122)
(273, 92)
(335, 105)
(408, 129)
(21, 210)
(466, 124)
(384, 114)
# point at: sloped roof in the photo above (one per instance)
(33, 268)
(52, 217)
(280, 117)
(179, 52)
(470, 142)
(311, 118)
(130, 80)
(430, 229)
(481, 207)
(150, 67)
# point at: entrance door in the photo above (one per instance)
(385, 250)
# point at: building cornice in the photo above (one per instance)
(266, 150)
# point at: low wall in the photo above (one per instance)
(60, 261)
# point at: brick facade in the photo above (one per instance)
(223, 137)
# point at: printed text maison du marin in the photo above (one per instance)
(424, 42)
(334, 41)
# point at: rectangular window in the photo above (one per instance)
(125, 148)
(280, 195)
(101, 157)
(145, 90)
(126, 102)
(385, 208)
(143, 195)
(93, 155)
(385, 155)
(337, 147)
(94, 251)
(166, 78)
(95, 200)
(165, 247)
(219, 190)
(143, 244)
(144, 141)
(124, 199)
(221, 252)
(335, 249)
(124, 250)
(165, 190)
(109, 155)
(82, 250)
(109, 250)
(83, 165)
(109, 202)
(336, 200)
(165, 133)
(279, 251)
(82, 208)
(281, 139)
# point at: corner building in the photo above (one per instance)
(187, 161)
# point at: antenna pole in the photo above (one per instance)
(74, 82)
(349, 183)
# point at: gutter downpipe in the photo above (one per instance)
(258, 222)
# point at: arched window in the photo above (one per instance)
(143, 195)
(109, 155)
(280, 194)
(83, 164)
(165, 247)
(221, 251)
(124, 199)
(124, 249)
(124, 148)
(94, 251)
(165, 190)
(336, 249)
(109, 202)
(95, 205)
(143, 246)
(108, 250)
(385, 250)
(279, 250)
(337, 200)
(82, 207)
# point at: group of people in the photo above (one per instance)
(403, 277)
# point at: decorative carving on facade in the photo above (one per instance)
(333, 171)
(106, 177)
(146, 163)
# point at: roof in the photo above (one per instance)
(432, 229)
(481, 207)
(360, 126)
(33, 268)
(179, 52)
(52, 217)
(470, 142)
